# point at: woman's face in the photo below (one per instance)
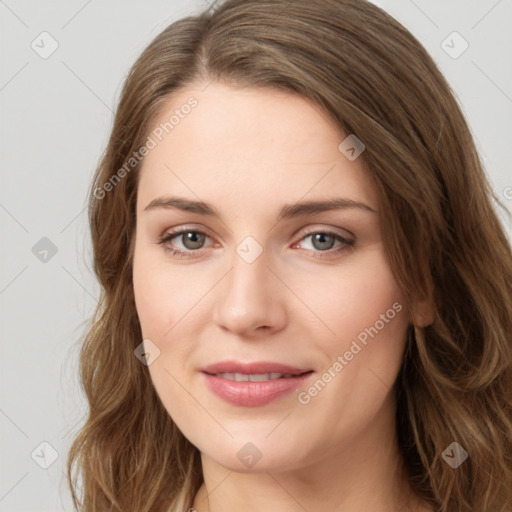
(267, 284)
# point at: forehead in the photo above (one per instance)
(248, 142)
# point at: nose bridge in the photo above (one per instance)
(248, 297)
(249, 275)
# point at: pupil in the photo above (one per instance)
(320, 237)
(195, 239)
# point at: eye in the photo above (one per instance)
(192, 241)
(324, 242)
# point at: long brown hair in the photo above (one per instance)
(442, 237)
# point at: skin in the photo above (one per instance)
(247, 152)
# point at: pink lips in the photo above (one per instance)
(252, 393)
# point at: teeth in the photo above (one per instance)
(258, 377)
(254, 377)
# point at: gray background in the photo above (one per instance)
(56, 113)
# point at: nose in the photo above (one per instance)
(250, 300)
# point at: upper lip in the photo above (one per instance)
(257, 367)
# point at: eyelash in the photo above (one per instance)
(345, 246)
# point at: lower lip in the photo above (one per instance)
(253, 394)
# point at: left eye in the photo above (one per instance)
(323, 241)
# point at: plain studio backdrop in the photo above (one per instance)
(62, 66)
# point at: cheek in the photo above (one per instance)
(365, 320)
(163, 294)
(160, 305)
(150, 302)
(351, 298)
(366, 309)
(165, 298)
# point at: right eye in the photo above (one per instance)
(191, 240)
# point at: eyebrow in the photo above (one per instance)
(287, 211)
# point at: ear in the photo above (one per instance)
(422, 312)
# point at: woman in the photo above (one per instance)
(307, 295)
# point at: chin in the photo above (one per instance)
(253, 457)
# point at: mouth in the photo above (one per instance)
(255, 377)
(253, 384)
